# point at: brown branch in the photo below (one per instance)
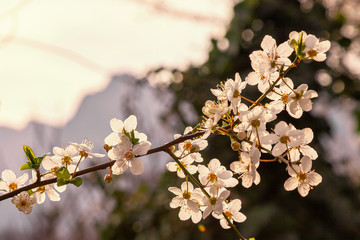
(38, 183)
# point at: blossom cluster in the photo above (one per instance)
(247, 124)
(250, 125)
(63, 158)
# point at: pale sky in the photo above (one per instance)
(53, 52)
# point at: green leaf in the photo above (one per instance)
(29, 154)
(77, 181)
(62, 182)
(26, 166)
(63, 173)
(38, 160)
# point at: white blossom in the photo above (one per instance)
(125, 155)
(189, 200)
(23, 201)
(302, 178)
(9, 181)
(232, 211)
(216, 174)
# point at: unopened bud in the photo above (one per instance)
(107, 147)
(172, 148)
(108, 178)
(195, 148)
(241, 135)
(235, 145)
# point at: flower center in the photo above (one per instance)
(129, 155)
(187, 146)
(255, 123)
(213, 200)
(179, 168)
(41, 189)
(12, 186)
(302, 176)
(212, 177)
(23, 203)
(186, 195)
(284, 139)
(312, 53)
(285, 98)
(236, 93)
(83, 154)
(66, 160)
(228, 214)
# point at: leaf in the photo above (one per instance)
(62, 182)
(63, 173)
(38, 160)
(25, 166)
(29, 154)
(77, 181)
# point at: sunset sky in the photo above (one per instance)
(53, 53)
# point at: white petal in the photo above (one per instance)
(112, 139)
(278, 149)
(8, 176)
(234, 205)
(184, 213)
(119, 167)
(239, 217)
(309, 151)
(303, 189)
(141, 148)
(314, 178)
(291, 183)
(21, 180)
(130, 123)
(136, 166)
(306, 163)
(116, 125)
(52, 194)
(284, 50)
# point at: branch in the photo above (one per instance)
(38, 183)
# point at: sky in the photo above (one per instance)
(54, 52)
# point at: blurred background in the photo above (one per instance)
(68, 67)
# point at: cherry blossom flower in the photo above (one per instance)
(216, 174)
(24, 202)
(189, 200)
(125, 155)
(214, 204)
(246, 167)
(119, 127)
(302, 178)
(232, 211)
(9, 182)
(254, 120)
(208, 127)
(46, 190)
(304, 148)
(277, 55)
(186, 162)
(215, 111)
(286, 137)
(310, 46)
(315, 49)
(61, 157)
(300, 100)
(85, 148)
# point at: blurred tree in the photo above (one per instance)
(331, 211)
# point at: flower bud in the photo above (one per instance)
(241, 135)
(108, 178)
(235, 145)
(107, 147)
